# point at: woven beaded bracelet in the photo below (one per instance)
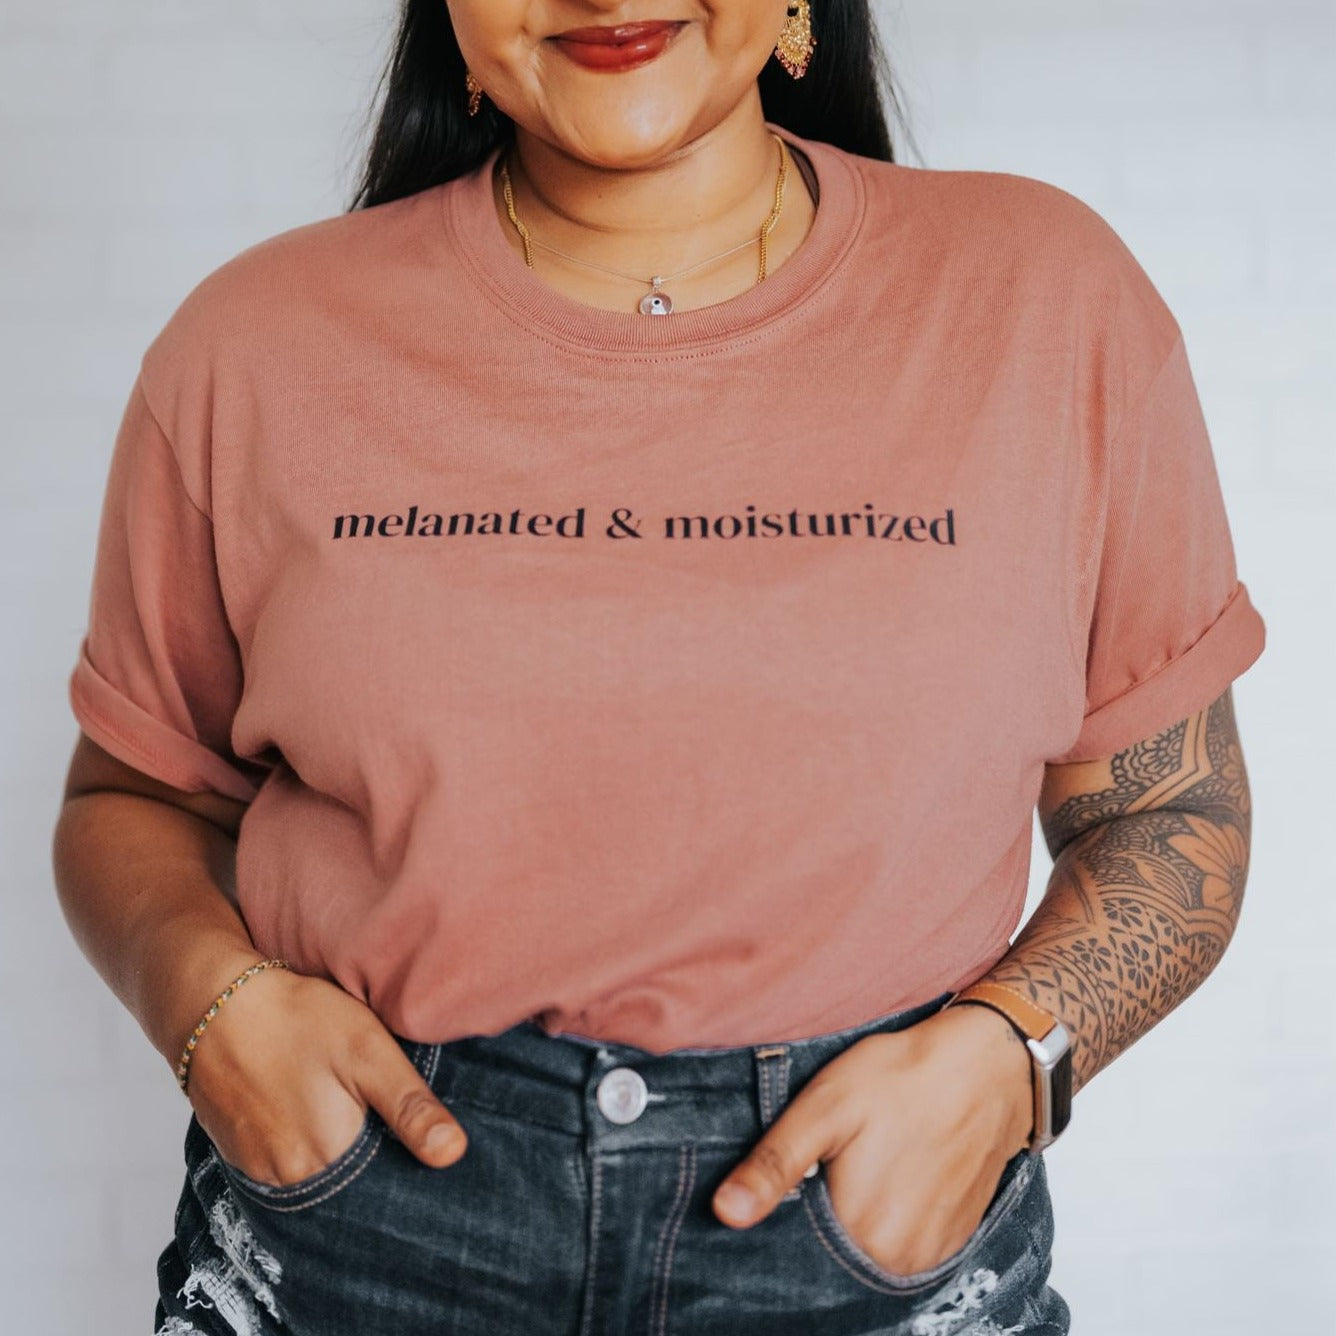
(183, 1067)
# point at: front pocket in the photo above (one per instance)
(333, 1177)
(1017, 1175)
(321, 1184)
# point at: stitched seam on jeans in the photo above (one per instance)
(432, 1056)
(667, 1224)
(859, 1275)
(763, 1076)
(867, 1269)
(282, 1204)
(592, 1264)
(672, 1243)
(287, 1191)
(686, 1178)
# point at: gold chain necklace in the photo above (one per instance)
(656, 301)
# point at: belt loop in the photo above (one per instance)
(772, 1080)
(772, 1088)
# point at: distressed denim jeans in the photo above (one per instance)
(582, 1208)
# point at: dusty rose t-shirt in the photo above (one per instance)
(678, 681)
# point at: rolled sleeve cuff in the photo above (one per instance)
(1178, 688)
(133, 735)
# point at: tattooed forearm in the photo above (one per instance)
(1151, 856)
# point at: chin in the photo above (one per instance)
(619, 141)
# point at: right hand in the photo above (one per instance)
(282, 1077)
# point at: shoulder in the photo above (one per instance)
(1018, 238)
(980, 210)
(265, 306)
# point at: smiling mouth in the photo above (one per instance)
(620, 46)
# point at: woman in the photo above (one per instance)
(576, 645)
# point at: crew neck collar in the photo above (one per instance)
(477, 235)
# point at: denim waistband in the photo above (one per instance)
(582, 1086)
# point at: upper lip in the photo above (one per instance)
(612, 35)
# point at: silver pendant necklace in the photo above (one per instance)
(656, 301)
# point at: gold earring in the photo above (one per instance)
(474, 90)
(794, 48)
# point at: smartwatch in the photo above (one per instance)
(1050, 1046)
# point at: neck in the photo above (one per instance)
(713, 193)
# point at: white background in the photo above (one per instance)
(145, 142)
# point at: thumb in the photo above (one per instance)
(802, 1134)
(396, 1090)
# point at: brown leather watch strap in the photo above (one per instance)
(1031, 1020)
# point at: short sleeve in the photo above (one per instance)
(158, 676)
(1170, 624)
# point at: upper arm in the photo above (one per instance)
(1194, 766)
(158, 677)
(92, 769)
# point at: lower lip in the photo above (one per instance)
(620, 55)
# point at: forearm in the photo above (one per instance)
(145, 888)
(1112, 948)
(1145, 892)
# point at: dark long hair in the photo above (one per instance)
(423, 135)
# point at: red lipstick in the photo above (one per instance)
(619, 47)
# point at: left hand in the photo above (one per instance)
(915, 1125)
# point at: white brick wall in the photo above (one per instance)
(1192, 1193)
(147, 141)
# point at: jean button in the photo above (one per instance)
(622, 1095)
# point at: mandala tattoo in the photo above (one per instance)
(1149, 868)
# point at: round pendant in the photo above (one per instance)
(656, 303)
